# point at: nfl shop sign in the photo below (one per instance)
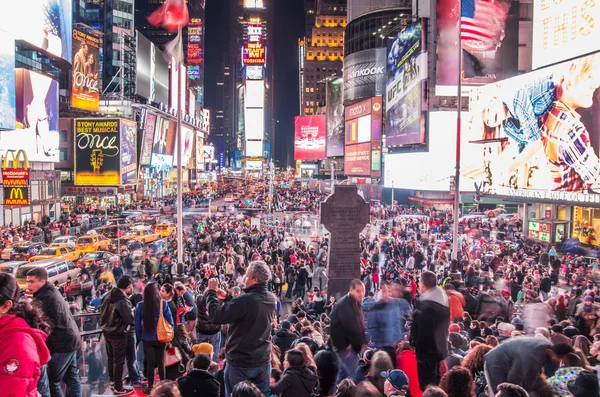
(15, 176)
(564, 29)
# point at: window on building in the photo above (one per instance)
(308, 89)
(313, 90)
(62, 154)
(63, 134)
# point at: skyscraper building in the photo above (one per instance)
(321, 52)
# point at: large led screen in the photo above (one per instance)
(254, 148)
(364, 127)
(199, 151)
(255, 94)
(86, 82)
(255, 123)
(357, 159)
(335, 118)
(309, 141)
(564, 30)
(128, 151)
(45, 24)
(429, 170)
(37, 115)
(97, 152)
(152, 71)
(364, 74)
(148, 140)
(186, 150)
(195, 44)
(7, 82)
(405, 88)
(538, 135)
(490, 42)
(163, 148)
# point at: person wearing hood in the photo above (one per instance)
(284, 337)
(586, 316)
(23, 348)
(429, 331)
(298, 380)
(199, 381)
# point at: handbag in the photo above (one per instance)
(172, 356)
(164, 330)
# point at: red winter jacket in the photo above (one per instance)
(407, 362)
(22, 351)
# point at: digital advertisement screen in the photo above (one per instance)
(195, 45)
(254, 53)
(538, 135)
(45, 24)
(8, 111)
(255, 124)
(309, 137)
(405, 88)
(37, 115)
(335, 118)
(85, 91)
(357, 159)
(254, 72)
(199, 152)
(152, 71)
(163, 148)
(564, 30)
(364, 125)
(490, 43)
(186, 150)
(148, 140)
(128, 151)
(364, 74)
(429, 170)
(254, 148)
(97, 152)
(255, 94)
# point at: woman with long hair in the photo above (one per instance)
(458, 382)
(381, 362)
(22, 341)
(473, 362)
(147, 314)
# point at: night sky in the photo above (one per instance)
(288, 27)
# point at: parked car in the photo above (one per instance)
(69, 241)
(11, 267)
(58, 270)
(56, 252)
(24, 252)
(98, 257)
(92, 243)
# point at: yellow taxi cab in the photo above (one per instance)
(91, 243)
(144, 236)
(166, 229)
(62, 251)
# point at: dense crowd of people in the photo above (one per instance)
(248, 314)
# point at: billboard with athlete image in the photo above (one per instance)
(335, 118)
(537, 135)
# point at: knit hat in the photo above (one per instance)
(454, 328)
(286, 324)
(204, 347)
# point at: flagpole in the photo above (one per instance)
(179, 165)
(458, 141)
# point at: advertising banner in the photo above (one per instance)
(98, 152)
(148, 140)
(364, 74)
(538, 135)
(564, 30)
(7, 82)
(152, 71)
(195, 44)
(163, 147)
(45, 24)
(490, 42)
(16, 195)
(86, 83)
(357, 159)
(37, 117)
(309, 141)
(335, 118)
(199, 152)
(405, 88)
(128, 151)
(364, 126)
(186, 150)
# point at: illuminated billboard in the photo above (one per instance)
(254, 72)
(148, 140)
(357, 159)
(430, 170)
(44, 24)
(254, 53)
(490, 43)
(309, 137)
(364, 74)
(152, 71)
(86, 82)
(128, 151)
(37, 116)
(364, 127)
(405, 88)
(563, 30)
(254, 4)
(205, 123)
(7, 82)
(538, 135)
(195, 44)
(186, 150)
(335, 118)
(254, 148)
(255, 123)
(163, 148)
(199, 151)
(255, 94)
(97, 152)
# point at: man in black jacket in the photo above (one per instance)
(198, 380)
(429, 331)
(63, 341)
(250, 315)
(207, 330)
(284, 338)
(348, 329)
(117, 323)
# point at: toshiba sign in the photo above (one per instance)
(364, 75)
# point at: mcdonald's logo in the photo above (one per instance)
(16, 196)
(15, 176)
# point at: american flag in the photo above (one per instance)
(478, 18)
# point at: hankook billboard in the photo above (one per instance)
(364, 74)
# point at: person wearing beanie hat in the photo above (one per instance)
(396, 383)
(198, 380)
(203, 348)
(557, 336)
(587, 315)
(586, 385)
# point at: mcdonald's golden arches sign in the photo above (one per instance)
(15, 178)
